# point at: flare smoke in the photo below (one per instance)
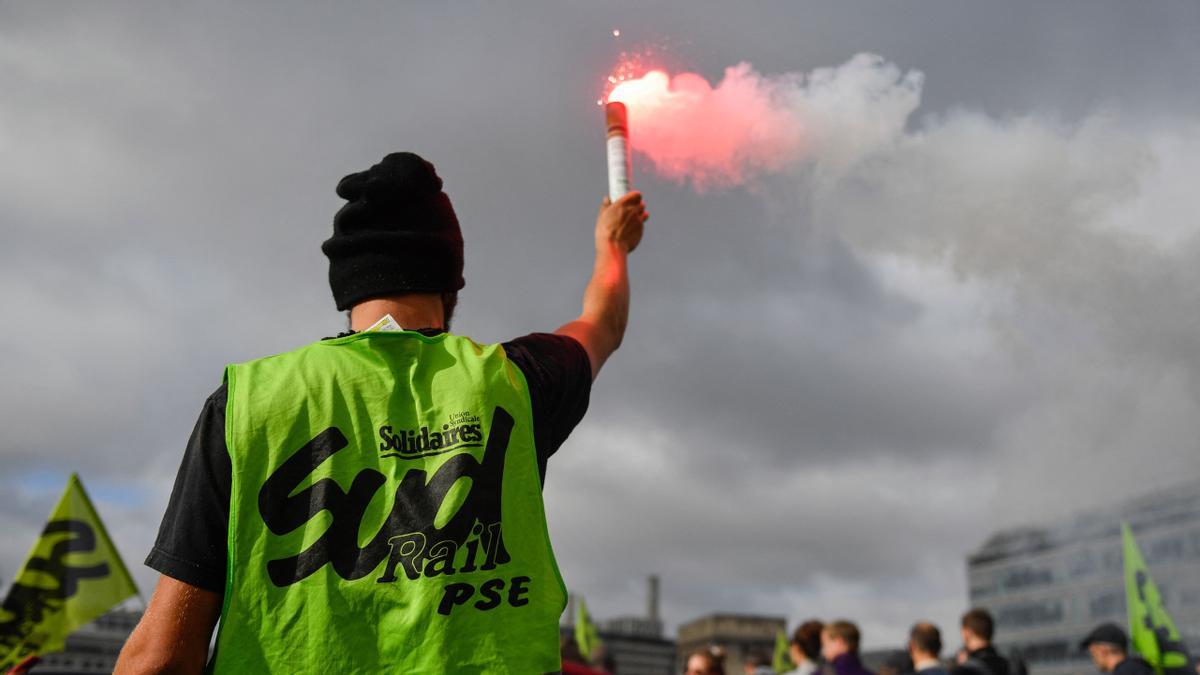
(1086, 216)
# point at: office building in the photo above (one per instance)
(1047, 586)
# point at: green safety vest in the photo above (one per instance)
(386, 513)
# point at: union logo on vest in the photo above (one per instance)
(462, 430)
(410, 540)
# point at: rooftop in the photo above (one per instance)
(1179, 503)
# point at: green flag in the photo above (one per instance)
(782, 662)
(1151, 629)
(586, 635)
(72, 575)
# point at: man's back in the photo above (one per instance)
(386, 490)
(850, 664)
(373, 502)
(1133, 665)
(984, 661)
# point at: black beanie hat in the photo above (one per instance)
(397, 233)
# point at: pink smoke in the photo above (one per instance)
(712, 136)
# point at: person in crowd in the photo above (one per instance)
(924, 645)
(978, 656)
(758, 663)
(805, 648)
(705, 661)
(896, 662)
(1108, 646)
(573, 662)
(606, 661)
(839, 646)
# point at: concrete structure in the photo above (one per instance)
(739, 634)
(93, 648)
(634, 643)
(648, 625)
(1048, 586)
(640, 655)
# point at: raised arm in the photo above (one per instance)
(601, 325)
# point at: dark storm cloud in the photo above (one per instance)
(798, 423)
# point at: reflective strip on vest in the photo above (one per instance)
(386, 513)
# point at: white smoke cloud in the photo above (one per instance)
(1093, 217)
(853, 110)
(1081, 235)
(1070, 215)
(1084, 231)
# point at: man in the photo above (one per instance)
(705, 661)
(758, 663)
(805, 647)
(895, 662)
(839, 646)
(979, 656)
(1109, 648)
(924, 645)
(372, 502)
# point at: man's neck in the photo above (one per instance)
(1114, 661)
(411, 311)
(923, 661)
(974, 644)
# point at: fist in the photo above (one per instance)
(621, 222)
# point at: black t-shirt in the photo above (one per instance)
(1133, 665)
(983, 661)
(192, 538)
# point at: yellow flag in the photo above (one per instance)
(1151, 629)
(782, 661)
(72, 575)
(586, 635)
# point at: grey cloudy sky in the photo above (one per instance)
(837, 380)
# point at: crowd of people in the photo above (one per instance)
(818, 648)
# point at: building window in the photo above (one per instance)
(1082, 564)
(1167, 549)
(1189, 597)
(1025, 577)
(1109, 604)
(1030, 614)
(1055, 650)
(1114, 560)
